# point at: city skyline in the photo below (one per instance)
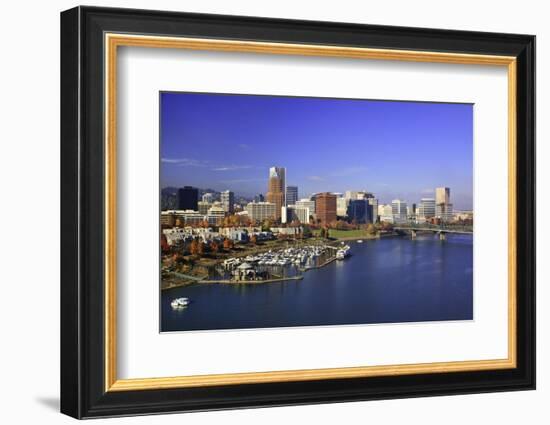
(392, 149)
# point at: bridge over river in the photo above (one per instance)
(441, 230)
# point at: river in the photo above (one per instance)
(388, 280)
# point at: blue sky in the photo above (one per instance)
(393, 149)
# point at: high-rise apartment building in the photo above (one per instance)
(187, 198)
(291, 195)
(228, 201)
(325, 207)
(276, 189)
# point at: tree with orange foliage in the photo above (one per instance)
(214, 247)
(194, 248)
(227, 244)
(254, 239)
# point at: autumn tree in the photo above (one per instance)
(194, 248)
(227, 244)
(254, 239)
(214, 247)
(371, 229)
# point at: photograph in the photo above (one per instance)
(285, 211)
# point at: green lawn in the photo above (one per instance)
(334, 233)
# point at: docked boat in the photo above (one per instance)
(180, 302)
(343, 253)
(360, 241)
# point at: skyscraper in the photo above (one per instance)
(228, 201)
(276, 189)
(443, 206)
(291, 195)
(187, 198)
(442, 195)
(325, 207)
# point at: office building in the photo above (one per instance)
(276, 189)
(442, 195)
(373, 202)
(386, 213)
(208, 197)
(444, 212)
(228, 201)
(297, 213)
(187, 198)
(399, 211)
(360, 211)
(307, 203)
(325, 207)
(342, 206)
(259, 211)
(203, 207)
(291, 195)
(426, 209)
(259, 198)
(215, 215)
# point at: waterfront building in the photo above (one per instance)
(386, 213)
(208, 197)
(215, 215)
(276, 189)
(259, 211)
(325, 207)
(297, 213)
(399, 211)
(426, 209)
(373, 202)
(342, 206)
(307, 203)
(187, 198)
(291, 195)
(228, 201)
(203, 207)
(360, 211)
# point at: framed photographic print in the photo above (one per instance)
(261, 212)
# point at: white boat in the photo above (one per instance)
(179, 302)
(342, 253)
(360, 241)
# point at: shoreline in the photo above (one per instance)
(246, 282)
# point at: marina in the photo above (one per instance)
(384, 281)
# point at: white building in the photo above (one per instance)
(426, 209)
(386, 213)
(399, 211)
(215, 215)
(342, 206)
(296, 213)
(260, 211)
(307, 203)
(208, 197)
(228, 201)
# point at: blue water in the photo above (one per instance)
(384, 281)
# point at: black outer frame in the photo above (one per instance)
(82, 208)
